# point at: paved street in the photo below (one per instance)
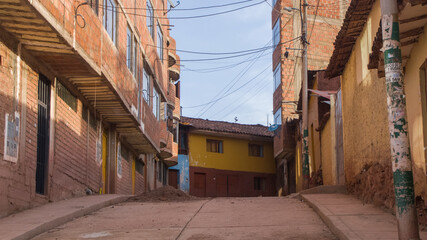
(220, 218)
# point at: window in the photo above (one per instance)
(66, 96)
(276, 34)
(278, 117)
(135, 57)
(156, 104)
(256, 150)
(94, 4)
(150, 19)
(129, 48)
(274, 3)
(110, 18)
(214, 146)
(183, 141)
(146, 87)
(259, 183)
(159, 42)
(277, 76)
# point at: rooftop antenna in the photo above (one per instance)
(173, 5)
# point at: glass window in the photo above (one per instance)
(159, 42)
(129, 48)
(278, 117)
(277, 76)
(156, 104)
(150, 19)
(110, 18)
(146, 87)
(276, 33)
(214, 146)
(259, 183)
(135, 57)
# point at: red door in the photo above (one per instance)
(233, 186)
(199, 184)
(173, 178)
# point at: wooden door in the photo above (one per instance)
(221, 186)
(199, 184)
(173, 178)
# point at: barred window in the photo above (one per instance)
(66, 96)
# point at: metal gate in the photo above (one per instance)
(42, 134)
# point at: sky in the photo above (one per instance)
(224, 89)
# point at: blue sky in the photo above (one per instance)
(202, 82)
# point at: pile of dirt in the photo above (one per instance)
(374, 184)
(422, 213)
(316, 178)
(167, 193)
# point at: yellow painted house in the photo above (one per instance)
(228, 159)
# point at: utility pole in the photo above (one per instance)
(304, 74)
(406, 212)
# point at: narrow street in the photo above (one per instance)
(218, 218)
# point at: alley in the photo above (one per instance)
(218, 218)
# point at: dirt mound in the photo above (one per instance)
(374, 184)
(167, 193)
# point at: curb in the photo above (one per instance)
(68, 217)
(333, 222)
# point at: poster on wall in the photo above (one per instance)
(11, 133)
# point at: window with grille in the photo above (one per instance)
(150, 19)
(160, 42)
(256, 150)
(276, 34)
(146, 86)
(259, 183)
(214, 146)
(66, 96)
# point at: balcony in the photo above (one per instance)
(285, 139)
(166, 142)
(47, 34)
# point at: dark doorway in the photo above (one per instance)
(43, 119)
(173, 178)
(199, 185)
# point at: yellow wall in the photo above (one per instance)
(314, 136)
(328, 170)
(365, 121)
(235, 157)
(298, 166)
(416, 114)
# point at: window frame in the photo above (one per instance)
(146, 87)
(278, 115)
(260, 183)
(219, 148)
(276, 34)
(160, 41)
(277, 76)
(113, 27)
(150, 18)
(156, 104)
(260, 150)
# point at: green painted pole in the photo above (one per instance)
(406, 212)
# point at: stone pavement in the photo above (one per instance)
(348, 218)
(29, 223)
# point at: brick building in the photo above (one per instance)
(222, 159)
(324, 18)
(89, 99)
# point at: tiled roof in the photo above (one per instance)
(220, 126)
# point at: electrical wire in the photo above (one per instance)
(190, 17)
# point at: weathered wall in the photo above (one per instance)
(183, 168)
(235, 157)
(417, 114)
(298, 166)
(365, 119)
(326, 149)
(314, 136)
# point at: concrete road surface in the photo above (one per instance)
(214, 219)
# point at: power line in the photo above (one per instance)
(191, 17)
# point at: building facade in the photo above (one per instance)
(90, 99)
(221, 159)
(324, 20)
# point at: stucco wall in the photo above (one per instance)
(328, 172)
(314, 136)
(235, 156)
(416, 114)
(365, 128)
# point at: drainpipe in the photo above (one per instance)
(398, 125)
